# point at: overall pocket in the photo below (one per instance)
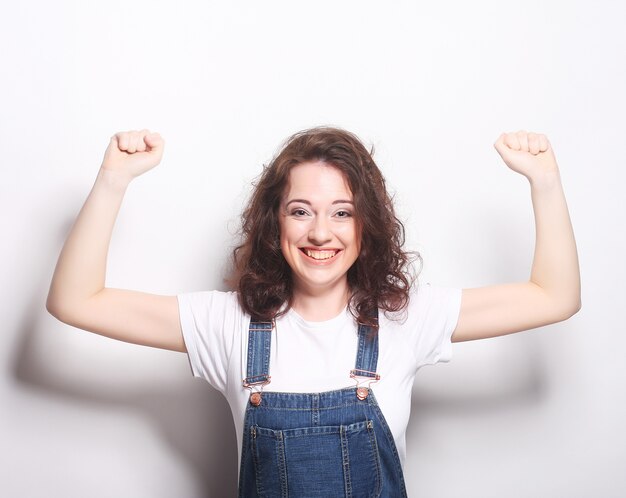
(319, 461)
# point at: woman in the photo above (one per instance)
(324, 301)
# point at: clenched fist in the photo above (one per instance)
(527, 153)
(131, 153)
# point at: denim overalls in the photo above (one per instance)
(332, 444)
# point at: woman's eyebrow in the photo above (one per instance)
(302, 201)
(308, 203)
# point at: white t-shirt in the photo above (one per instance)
(318, 356)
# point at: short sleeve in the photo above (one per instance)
(433, 313)
(210, 323)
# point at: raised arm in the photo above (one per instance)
(77, 294)
(552, 293)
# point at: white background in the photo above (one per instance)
(430, 85)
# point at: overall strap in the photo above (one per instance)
(259, 341)
(367, 352)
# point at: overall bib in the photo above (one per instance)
(332, 444)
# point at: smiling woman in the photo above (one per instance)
(323, 191)
(324, 297)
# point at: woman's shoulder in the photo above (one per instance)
(428, 299)
(209, 294)
(425, 293)
(210, 301)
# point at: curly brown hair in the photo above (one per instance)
(379, 278)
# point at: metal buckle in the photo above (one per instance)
(256, 390)
(361, 391)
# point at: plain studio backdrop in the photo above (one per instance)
(430, 85)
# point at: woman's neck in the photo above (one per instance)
(318, 306)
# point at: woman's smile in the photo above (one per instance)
(320, 255)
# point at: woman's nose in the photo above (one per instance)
(320, 231)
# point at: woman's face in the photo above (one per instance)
(318, 232)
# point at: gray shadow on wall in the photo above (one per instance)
(519, 390)
(183, 416)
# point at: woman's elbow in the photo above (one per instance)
(576, 307)
(569, 309)
(58, 309)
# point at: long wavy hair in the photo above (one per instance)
(380, 277)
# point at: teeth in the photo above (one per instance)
(320, 254)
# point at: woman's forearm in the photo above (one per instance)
(81, 268)
(555, 264)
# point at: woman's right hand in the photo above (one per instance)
(132, 153)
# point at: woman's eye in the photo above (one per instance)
(298, 212)
(343, 214)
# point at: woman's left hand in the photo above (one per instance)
(527, 153)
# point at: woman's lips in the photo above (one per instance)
(319, 255)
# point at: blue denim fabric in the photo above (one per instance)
(330, 444)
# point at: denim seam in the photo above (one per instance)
(315, 410)
(375, 456)
(256, 463)
(346, 463)
(282, 464)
